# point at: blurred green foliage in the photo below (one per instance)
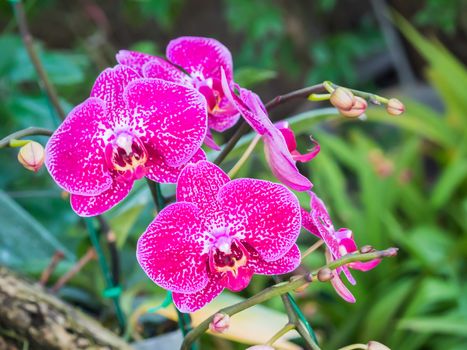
(393, 181)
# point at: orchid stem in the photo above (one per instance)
(283, 288)
(312, 248)
(28, 41)
(354, 347)
(284, 330)
(373, 98)
(184, 320)
(31, 131)
(244, 156)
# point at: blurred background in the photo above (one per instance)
(395, 181)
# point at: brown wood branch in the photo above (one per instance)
(28, 314)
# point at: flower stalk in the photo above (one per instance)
(283, 288)
(10, 140)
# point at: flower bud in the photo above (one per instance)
(260, 347)
(357, 108)
(395, 107)
(220, 323)
(374, 345)
(32, 156)
(325, 274)
(342, 98)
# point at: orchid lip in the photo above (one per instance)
(127, 156)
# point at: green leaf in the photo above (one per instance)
(443, 325)
(452, 177)
(251, 76)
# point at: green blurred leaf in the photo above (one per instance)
(444, 325)
(250, 76)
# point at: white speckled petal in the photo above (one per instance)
(133, 59)
(286, 264)
(199, 184)
(96, 205)
(266, 214)
(161, 69)
(161, 172)
(195, 301)
(75, 152)
(204, 55)
(170, 251)
(171, 117)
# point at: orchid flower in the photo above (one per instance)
(279, 144)
(202, 59)
(129, 128)
(218, 234)
(339, 243)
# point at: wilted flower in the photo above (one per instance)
(202, 59)
(395, 107)
(276, 146)
(129, 128)
(342, 98)
(339, 243)
(32, 156)
(218, 234)
(220, 323)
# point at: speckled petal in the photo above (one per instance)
(75, 152)
(159, 171)
(171, 117)
(109, 87)
(210, 142)
(286, 264)
(161, 69)
(195, 301)
(308, 224)
(96, 205)
(133, 59)
(265, 214)
(199, 184)
(221, 121)
(170, 251)
(203, 55)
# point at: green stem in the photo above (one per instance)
(284, 330)
(31, 131)
(373, 98)
(28, 41)
(106, 272)
(354, 346)
(283, 288)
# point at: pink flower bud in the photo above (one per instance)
(32, 156)
(342, 98)
(260, 347)
(220, 323)
(395, 107)
(357, 109)
(374, 345)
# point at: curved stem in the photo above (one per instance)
(229, 146)
(282, 288)
(28, 41)
(244, 156)
(31, 131)
(312, 248)
(354, 346)
(284, 330)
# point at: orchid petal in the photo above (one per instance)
(265, 214)
(75, 152)
(289, 262)
(201, 55)
(109, 87)
(133, 59)
(308, 224)
(96, 205)
(337, 283)
(159, 171)
(210, 142)
(171, 117)
(161, 69)
(170, 251)
(199, 184)
(195, 301)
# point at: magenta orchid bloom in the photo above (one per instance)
(218, 234)
(129, 128)
(291, 142)
(339, 243)
(202, 59)
(279, 145)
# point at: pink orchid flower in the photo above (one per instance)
(339, 243)
(129, 128)
(279, 143)
(202, 59)
(218, 234)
